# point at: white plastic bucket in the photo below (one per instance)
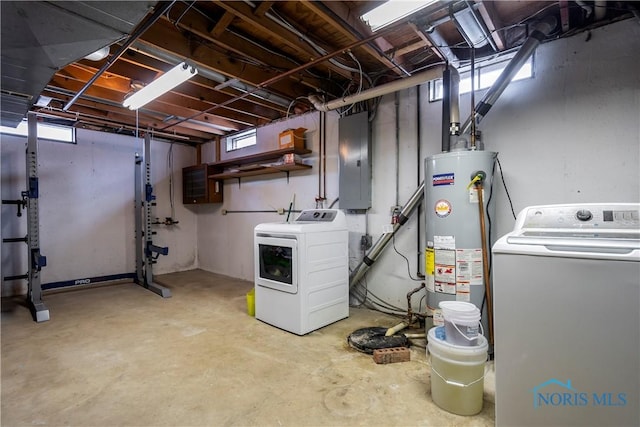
(461, 322)
(457, 374)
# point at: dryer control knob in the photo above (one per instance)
(584, 215)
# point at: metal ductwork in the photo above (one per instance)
(381, 243)
(394, 86)
(450, 107)
(40, 37)
(540, 32)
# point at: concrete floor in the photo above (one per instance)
(120, 355)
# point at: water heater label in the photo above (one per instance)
(429, 262)
(443, 179)
(438, 318)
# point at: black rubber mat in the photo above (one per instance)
(368, 339)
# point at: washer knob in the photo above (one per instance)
(584, 215)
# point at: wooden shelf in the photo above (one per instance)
(256, 158)
(257, 164)
(260, 170)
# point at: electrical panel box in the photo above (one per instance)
(355, 161)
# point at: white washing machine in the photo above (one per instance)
(567, 317)
(302, 271)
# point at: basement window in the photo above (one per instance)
(241, 140)
(486, 75)
(52, 132)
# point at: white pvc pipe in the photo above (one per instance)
(394, 86)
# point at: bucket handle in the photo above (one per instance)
(455, 383)
(466, 337)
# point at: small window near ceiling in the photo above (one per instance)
(486, 75)
(52, 132)
(241, 140)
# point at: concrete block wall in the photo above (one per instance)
(87, 209)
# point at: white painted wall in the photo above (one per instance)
(225, 242)
(569, 135)
(87, 209)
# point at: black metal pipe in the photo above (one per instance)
(540, 32)
(161, 10)
(15, 239)
(260, 211)
(18, 277)
(418, 168)
(410, 312)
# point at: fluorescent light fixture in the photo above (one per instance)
(393, 11)
(172, 78)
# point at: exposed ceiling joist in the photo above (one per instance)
(273, 30)
(255, 59)
(353, 29)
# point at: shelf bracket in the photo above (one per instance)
(239, 181)
(287, 172)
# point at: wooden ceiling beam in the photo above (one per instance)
(199, 89)
(172, 101)
(341, 10)
(408, 48)
(106, 80)
(197, 24)
(426, 39)
(73, 85)
(267, 26)
(263, 8)
(222, 25)
(491, 18)
(207, 89)
(164, 35)
(159, 105)
(98, 114)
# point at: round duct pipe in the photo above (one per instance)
(394, 86)
(540, 32)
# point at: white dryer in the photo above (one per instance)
(302, 271)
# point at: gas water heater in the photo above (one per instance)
(454, 262)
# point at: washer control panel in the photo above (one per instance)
(581, 216)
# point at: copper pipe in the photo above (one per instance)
(485, 260)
